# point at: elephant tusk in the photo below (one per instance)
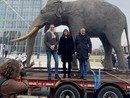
(25, 36)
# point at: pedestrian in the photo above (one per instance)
(6, 53)
(38, 55)
(83, 48)
(10, 87)
(128, 57)
(66, 51)
(51, 41)
(113, 60)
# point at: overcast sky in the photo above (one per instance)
(124, 5)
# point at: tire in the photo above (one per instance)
(110, 92)
(67, 91)
(82, 93)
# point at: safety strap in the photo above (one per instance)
(117, 78)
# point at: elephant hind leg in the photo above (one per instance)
(115, 42)
(108, 51)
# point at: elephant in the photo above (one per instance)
(100, 18)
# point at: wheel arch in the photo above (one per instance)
(70, 83)
(113, 85)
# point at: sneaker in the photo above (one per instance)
(69, 76)
(57, 77)
(64, 76)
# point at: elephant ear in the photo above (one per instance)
(59, 9)
(46, 28)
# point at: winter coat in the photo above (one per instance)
(113, 59)
(48, 40)
(66, 49)
(83, 46)
(10, 88)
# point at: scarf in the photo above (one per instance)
(53, 35)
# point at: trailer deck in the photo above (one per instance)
(41, 74)
(95, 80)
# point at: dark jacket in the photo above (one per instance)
(83, 46)
(48, 40)
(113, 59)
(66, 49)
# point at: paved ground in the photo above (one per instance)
(1, 60)
(42, 62)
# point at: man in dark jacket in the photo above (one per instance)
(51, 41)
(83, 48)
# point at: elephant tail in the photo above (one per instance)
(127, 37)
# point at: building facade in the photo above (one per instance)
(15, 18)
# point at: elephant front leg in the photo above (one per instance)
(108, 51)
(74, 32)
(30, 47)
(75, 24)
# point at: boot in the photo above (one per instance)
(64, 76)
(64, 70)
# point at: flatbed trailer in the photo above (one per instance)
(103, 84)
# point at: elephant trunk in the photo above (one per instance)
(30, 36)
(37, 23)
(30, 46)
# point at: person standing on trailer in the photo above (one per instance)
(83, 49)
(66, 51)
(51, 41)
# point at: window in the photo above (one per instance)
(10, 24)
(1, 24)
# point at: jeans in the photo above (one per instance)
(83, 64)
(55, 56)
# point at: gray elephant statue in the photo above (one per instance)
(100, 18)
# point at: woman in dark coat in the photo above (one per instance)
(66, 50)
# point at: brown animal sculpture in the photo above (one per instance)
(100, 18)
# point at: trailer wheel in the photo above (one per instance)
(67, 91)
(110, 92)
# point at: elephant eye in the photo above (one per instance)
(43, 11)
